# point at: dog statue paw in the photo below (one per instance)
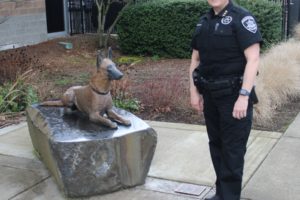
(113, 125)
(127, 123)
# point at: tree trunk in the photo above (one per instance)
(114, 24)
(102, 11)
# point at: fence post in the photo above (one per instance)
(293, 15)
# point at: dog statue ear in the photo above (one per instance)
(99, 59)
(109, 53)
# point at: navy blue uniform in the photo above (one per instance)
(221, 40)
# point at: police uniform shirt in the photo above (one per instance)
(221, 40)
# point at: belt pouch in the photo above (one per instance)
(222, 92)
(220, 88)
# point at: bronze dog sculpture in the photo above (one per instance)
(95, 99)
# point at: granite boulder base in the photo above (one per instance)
(86, 158)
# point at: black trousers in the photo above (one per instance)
(227, 142)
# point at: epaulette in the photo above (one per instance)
(206, 15)
(202, 17)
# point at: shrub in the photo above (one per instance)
(279, 77)
(16, 96)
(162, 28)
(121, 97)
(15, 62)
(161, 95)
(165, 27)
(17, 67)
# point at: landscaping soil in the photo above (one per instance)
(160, 85)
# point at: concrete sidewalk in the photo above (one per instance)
(181, 165)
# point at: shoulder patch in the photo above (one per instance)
(226, 20)
(250, 24)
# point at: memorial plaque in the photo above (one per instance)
(190, 189)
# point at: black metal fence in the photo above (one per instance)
(285, 11)
(80, 15)
(290, 16)
(83, 15)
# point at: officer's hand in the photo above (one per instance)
(197, 101)
(240, 107)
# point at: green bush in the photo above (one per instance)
(127, 104)
(165, 27)
(162, 28)
(15, 97)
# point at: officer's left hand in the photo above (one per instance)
(240, 107)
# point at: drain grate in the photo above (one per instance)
(190, 189)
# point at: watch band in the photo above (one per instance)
(244, 92)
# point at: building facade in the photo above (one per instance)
(26, 22)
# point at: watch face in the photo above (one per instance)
(244, 92)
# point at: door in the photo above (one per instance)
(55, 16)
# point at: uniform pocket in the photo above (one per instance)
(223, 37)
(223, 31)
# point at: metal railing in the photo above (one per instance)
(80, 15)
(290, 16)
(83, 15)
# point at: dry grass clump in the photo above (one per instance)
(279, 78)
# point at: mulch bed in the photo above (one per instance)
(170, 76)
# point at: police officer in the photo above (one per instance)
(225, 58)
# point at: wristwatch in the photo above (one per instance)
(244, 92)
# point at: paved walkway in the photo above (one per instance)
(181, 165)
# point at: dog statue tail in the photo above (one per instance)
(57, 103)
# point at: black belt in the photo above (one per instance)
(221, 87)
(221, 83)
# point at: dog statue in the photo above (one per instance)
(95, 99)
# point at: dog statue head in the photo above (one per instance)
(106, 71)
(108, 66)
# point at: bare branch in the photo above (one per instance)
(118, 17)
(103, 7)
(107, 7)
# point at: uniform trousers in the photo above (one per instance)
(227, 143)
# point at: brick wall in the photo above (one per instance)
(22, 22)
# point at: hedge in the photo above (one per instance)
(165, 27)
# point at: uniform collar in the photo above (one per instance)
(223, 13)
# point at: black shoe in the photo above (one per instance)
(216, 197)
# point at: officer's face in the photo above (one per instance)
(218, 5)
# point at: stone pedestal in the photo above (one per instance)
(86, 158)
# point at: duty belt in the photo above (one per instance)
(217, 84)
(221, 83)
(221, 87)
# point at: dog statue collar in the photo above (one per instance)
(98, 92)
